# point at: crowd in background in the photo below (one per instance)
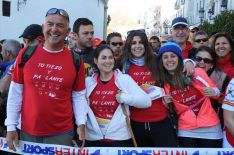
(148, 91)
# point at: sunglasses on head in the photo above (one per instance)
(199, 40)
(131, 32)
(205, 60)
(117, 43)
(61, 12)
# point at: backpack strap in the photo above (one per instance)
(76, 61)
(27, 54)
(126, 67)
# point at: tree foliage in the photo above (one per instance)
(223, 22)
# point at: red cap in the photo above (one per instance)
(97, 42)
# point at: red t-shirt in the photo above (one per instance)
(103, 102)
(157, 111)
(189, 96)
(48, 79)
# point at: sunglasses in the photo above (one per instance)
(199, 40)
(117, 43)
(61, 12)
(205, 60)
(192, 31)
(131, 32)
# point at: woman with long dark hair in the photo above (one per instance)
(199, 125)
(151, 126)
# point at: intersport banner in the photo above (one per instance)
(50, 149)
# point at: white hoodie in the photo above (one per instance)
(117, 128)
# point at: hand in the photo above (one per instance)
(10, 138)
(81, 132)
(117, 96)
(189, 68)
(208, 91)
(167, 100)
(81, 135)
(123, 97)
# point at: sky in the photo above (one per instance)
(133, 10)
(136, 8)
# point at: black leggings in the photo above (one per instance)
(200, 143)
(154, 134)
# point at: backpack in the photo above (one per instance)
(32, 48)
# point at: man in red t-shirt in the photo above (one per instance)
(46, 91)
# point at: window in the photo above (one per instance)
(6, 11)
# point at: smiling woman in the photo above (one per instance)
(151, 126)
(199, 125)
(224, 49)
(205, 58)
(108, 91)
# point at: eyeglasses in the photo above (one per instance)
(58, 11)
(205, 60)
(131, 32)
(193, 31)
(199, 40)
(117, 43)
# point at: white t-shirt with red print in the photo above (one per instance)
(47, 80)
(103, 102)
(228, 104)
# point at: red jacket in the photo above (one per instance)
(206, 116)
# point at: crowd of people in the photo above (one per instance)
(143, 91)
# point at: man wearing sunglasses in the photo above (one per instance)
(83, 29)
(200, 39)
(43, 92)
(114, 40)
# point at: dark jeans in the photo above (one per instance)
(154, 134)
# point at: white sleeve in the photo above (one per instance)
(193, 62)
(139, 98)
(14, 105)
(80, 106)
(228, 107)
(228, 102)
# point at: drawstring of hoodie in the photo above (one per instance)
(147, 126)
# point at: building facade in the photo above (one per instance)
(15, 15)
(198, 11)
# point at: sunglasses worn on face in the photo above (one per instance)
(117, 43)
(205, 60)
(59, 12)
(199, 40)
